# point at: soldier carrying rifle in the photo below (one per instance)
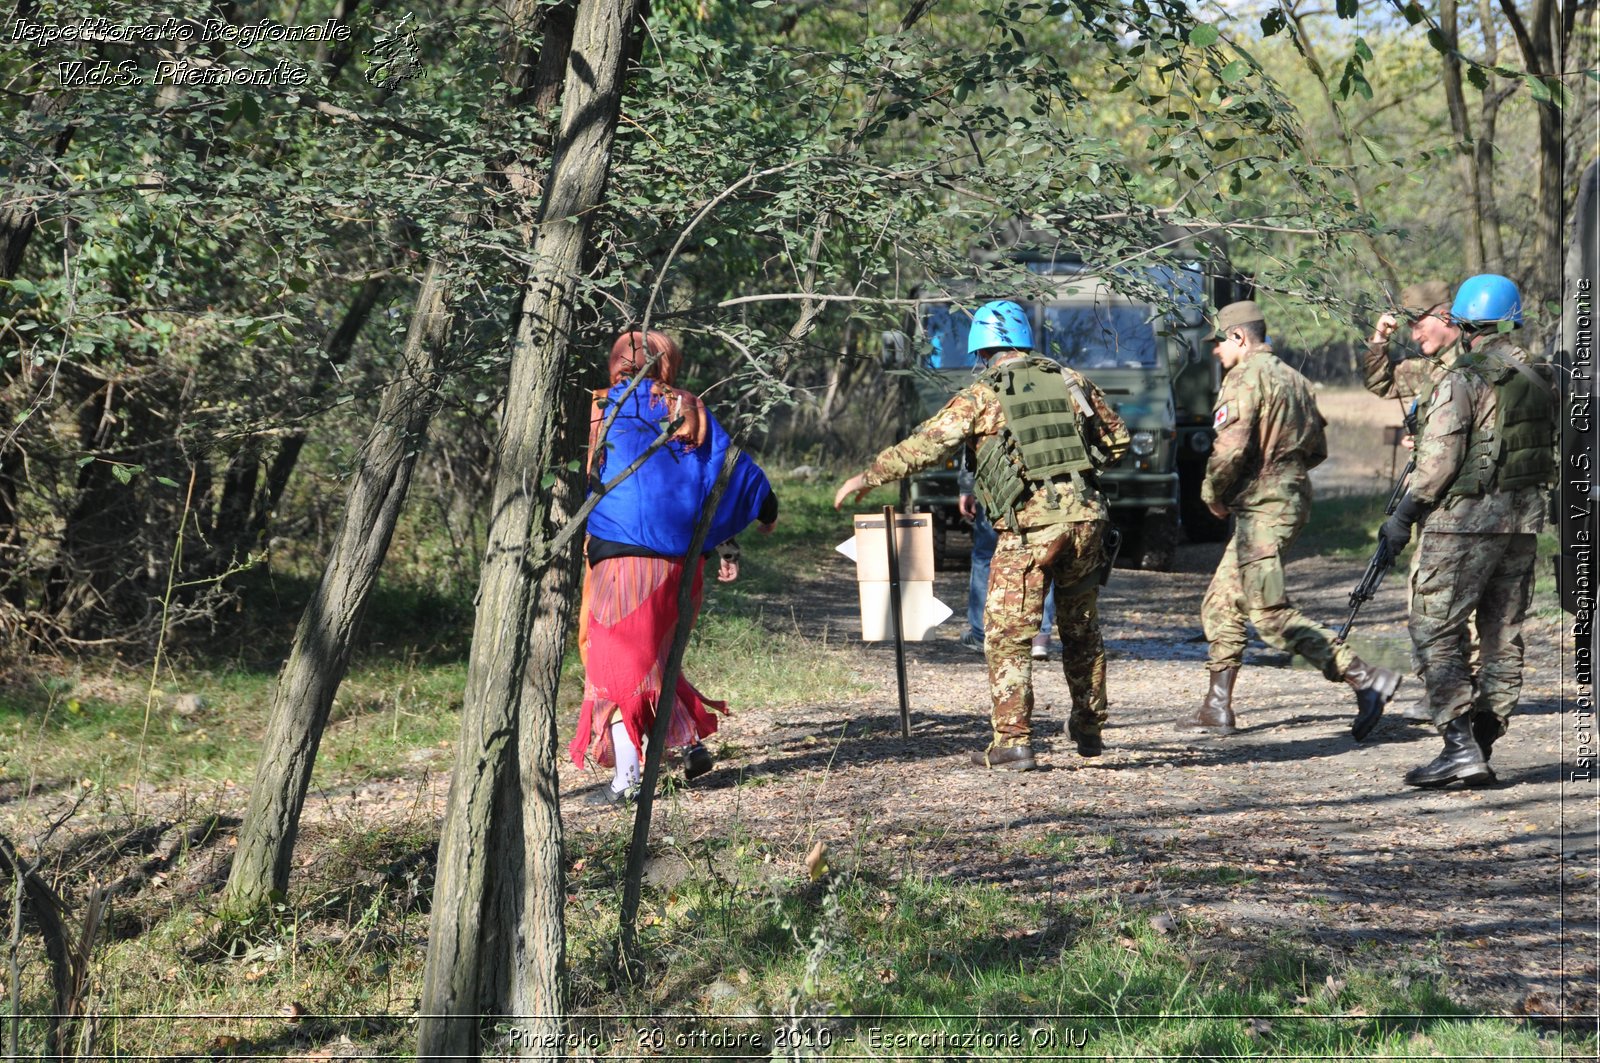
(1483, 459)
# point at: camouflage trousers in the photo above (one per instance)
(1248, 587)
(1462, 577)
(1069, 556)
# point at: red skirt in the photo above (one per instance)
(629, 612)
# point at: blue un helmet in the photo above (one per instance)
(1001, 323)
(1486, 299)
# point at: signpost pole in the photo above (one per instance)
(894, 612)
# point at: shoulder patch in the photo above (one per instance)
(1221, 418)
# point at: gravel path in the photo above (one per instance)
(1287, 826)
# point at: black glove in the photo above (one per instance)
(1396, 531)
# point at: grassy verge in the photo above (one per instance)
(747, 960)
(880, 964)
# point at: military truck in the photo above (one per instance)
(1155, 368)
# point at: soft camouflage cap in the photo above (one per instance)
(1235, 314)
(1418, 299)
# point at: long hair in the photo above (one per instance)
(633, 350)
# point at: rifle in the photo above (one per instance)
(1383, 558)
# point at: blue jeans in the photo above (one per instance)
(984, 538)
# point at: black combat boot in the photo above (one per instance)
(1374, 687)
(1461, 759)
(1215, 713)
(1087, 738)
(697, 762)
(1486, 727)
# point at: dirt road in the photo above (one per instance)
(1288, 826)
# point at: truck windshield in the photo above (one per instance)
(947, 330)
(1100, 336)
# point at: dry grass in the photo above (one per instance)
(1360, 459)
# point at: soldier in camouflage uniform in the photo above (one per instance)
(1426, 308)
(1422, 306)
(1484, 457)
(1269, 434)
(1050, 515)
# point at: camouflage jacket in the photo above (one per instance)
(1403, 381)
(1269, 434)
(972, 415)
(1462, 399)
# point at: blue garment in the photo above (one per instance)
(659, 504)
(984, 540)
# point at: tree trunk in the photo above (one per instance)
(1539, 38)
(322, 643)
(1494, 250)
(336, 352)
(1461, 129)
(20, 216)
(501, 638)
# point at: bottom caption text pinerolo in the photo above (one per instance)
(1040, 1037)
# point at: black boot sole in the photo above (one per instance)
(1472, 779)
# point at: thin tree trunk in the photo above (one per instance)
(1461, 129)
(19, 215)
(629, 961)
(1342, 131)
(499, 662)
(322, 643)
(336, 352)
(1539, 39)
(1494, 249)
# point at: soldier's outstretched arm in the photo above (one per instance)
(934, 441)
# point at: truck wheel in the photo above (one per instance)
(1158, 537)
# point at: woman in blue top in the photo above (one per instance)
(639, 532)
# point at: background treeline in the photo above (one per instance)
(207, 290)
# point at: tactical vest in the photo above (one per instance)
(1519, 449)
(1040, 441)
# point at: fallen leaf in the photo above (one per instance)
(1258, 1027)
(1163, 923)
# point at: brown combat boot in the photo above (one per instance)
(1215, 713)
(1374, 687)
(1004, 758)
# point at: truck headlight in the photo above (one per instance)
(1143, 444)
(1200, 443)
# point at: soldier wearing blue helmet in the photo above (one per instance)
(1041, 432)
(1485, 454)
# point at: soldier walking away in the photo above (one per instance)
(1269, 435)
(1041, 432)
(1484, 457)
